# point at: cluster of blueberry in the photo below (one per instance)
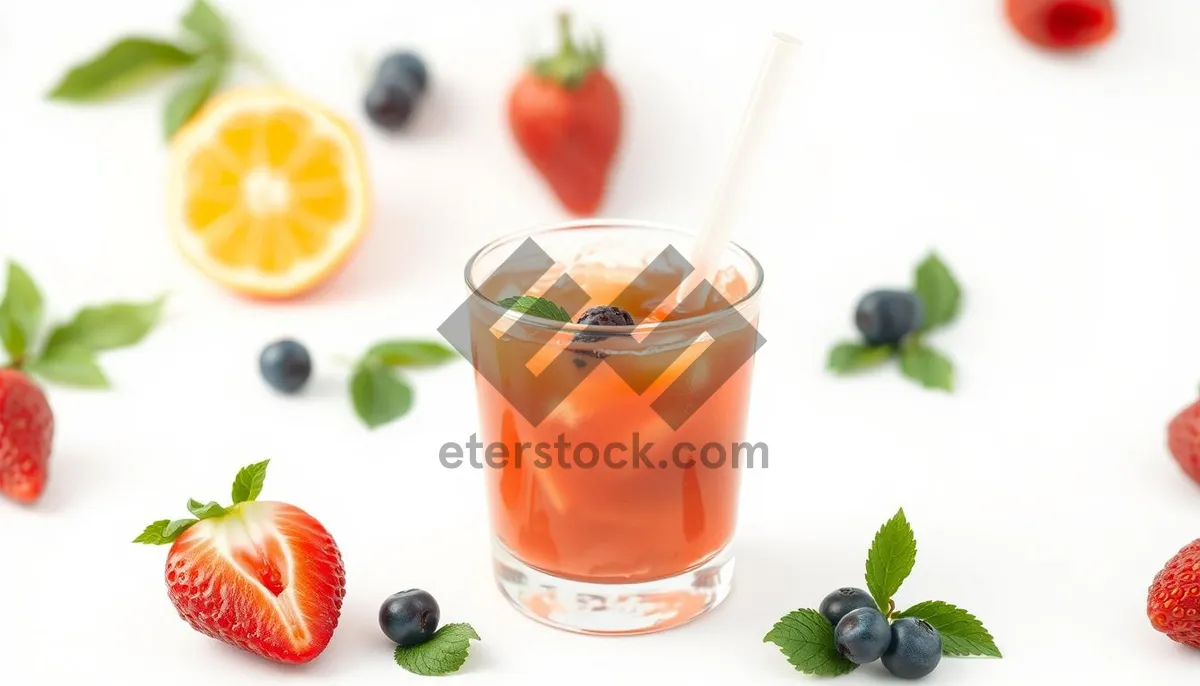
(909, 648)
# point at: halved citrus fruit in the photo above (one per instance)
(267, 192)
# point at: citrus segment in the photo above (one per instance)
(267, 192)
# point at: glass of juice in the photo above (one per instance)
(612, 451)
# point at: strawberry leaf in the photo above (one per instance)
(108, 327)
(249, 482)
(205, 511)
(164, 531)
(70, 364)
(20, 312)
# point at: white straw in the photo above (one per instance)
(715, 235)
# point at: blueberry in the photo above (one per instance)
(885, 317)
(390, 103)
(606, 315)
(400, 81)
(862, 635)
(602, 315)
(401, 64)
(410, 617)
(285, 365)
(839, 603)
(915, 650)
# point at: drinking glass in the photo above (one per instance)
(613, 452)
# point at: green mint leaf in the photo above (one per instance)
(164, 531)
(205, 510)
(20, 312)
(249, 482)
(443, 653)
(108, 327)
(402, 353)
(538, 307)
(927, 367)
(938, 291)
(71, 365)
(379, 396)
(124, 64)
(203, 22)
(190, 96)
(805, 638)
(962, 634)
(891, 558)
(846, 358)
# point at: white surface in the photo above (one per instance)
(1062, 191)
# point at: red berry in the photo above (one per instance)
(1174, 599)
(26, 432)
(1183, 439)
(1063, 24)
(266, 578)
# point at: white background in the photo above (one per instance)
(1062, 191)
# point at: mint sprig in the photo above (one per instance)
(205, 53)
(246, 487)
(963, 635)
(538, 307)
(806, 638)
(939, 292)
(941, 300)
(890, 560)
(126, 63)
(69, 352)
(378, 390)
(445, 652)
(853, 357)
(926, 366)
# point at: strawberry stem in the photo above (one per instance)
(566, 41)
(573, 62)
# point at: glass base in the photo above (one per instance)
(614, 609)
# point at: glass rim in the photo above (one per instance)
(600, 223)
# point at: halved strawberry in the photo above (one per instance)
(26, 432)
(263, 576)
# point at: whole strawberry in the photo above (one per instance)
(26, 432)
(565, 113)
(1173, 604)
(67, 354)
(1183, 439)
(262, 576)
